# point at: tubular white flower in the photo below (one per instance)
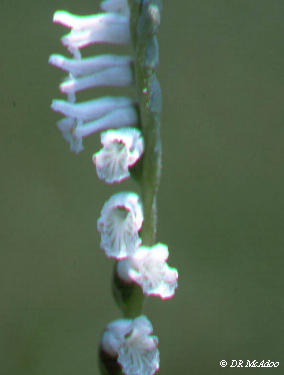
(132, 342)
(122, 148)
(148, 268)
(117, 119)
(117, 76)
(100, 28)
(100, 114)
(87, 22)
(119, 224)
(93, 109)
(116, 6)
(73, 129)
(89, 65)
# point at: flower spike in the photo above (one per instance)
(119, 224)
(127, 345)
(122, 148)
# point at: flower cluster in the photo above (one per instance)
(127, 340)
(83, 119)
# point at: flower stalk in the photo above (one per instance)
(144, 23)
(131, 143)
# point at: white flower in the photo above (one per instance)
(86, 118)
(90, 65)
(119, 224)
(74, 129)
(93, 109)
(99, 28)
(130, 340)
(122, 148)
(116, 76)
(119, 118)
(148, 268)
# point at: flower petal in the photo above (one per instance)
(117, 76)
(119, 224)
(148, 268)
(87, 22)
(122, 148)
(138, 353)
(89, 65)
(102, 31)
(93, 109)
(117, 119)
(131, 340)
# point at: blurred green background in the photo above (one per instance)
(220, 202)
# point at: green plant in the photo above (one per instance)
(131, 147)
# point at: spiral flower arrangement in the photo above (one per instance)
(131, 146)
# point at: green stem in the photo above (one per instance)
(145, 20)
(144, 23)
